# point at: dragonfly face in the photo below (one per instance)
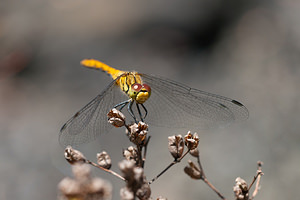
(139, 92)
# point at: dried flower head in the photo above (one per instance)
(73, 155)
(137, 133)
(191, 141)
(194, 152)
(116, 118)
(135, 181)
(132, 174)
(130, 153)
(99, 189)
(83, 186)
(81, 171)
(259, 164)
(70, 188)
(176, 146)
(240, 189)
(138, 174)
(126, 194)
(126, 168)
(104, 160)
(193, 171)
(144, 192)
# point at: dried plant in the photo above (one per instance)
(84, 187)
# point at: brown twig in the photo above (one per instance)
(106, 170)
(139, 155)
(257, 177)
(213, 188)
(168, 167)
(145, 150)
(203, 177)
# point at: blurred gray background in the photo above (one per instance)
(246, 50)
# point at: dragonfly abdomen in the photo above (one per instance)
(91, 63)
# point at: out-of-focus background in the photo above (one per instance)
(246, 50)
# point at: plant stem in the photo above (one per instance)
(206, 180)
(169, 166)
(107, 170)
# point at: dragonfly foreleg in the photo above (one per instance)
(122, 104)
(146, 111)
(129, 108)
(139, 110)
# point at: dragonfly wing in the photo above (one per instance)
(91, 121)
(175, 105)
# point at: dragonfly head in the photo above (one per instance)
(140, 92)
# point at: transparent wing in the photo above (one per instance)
(172, 104)
(91, 121)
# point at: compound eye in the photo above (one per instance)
(136, 87)
(147, 87)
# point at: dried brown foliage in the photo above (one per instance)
(136, 186)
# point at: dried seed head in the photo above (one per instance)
(73, 155)
(126, 194)
(259, 163)
(193, 171)
(99, 189)
(133, 175)
(126, 167)
(131, 172)
(116, 118)
(130, 153)
(81, 172)
(70, 188)
(194, 152)
(191, 141)
(142, 126)
(132, 129)
(240, 189)
(242, 184)
(104, 160)
(83, 186)
(137, 133)
(144, 192)
(138, 174)
(176, 146)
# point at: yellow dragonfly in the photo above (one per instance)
(161, 101)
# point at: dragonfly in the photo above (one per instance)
(157, 100)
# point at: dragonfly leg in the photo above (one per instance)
(146, 111)
(139, 110)
(129, 108)
(122, 104)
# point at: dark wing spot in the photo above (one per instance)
(223, 106)
(237, 103)
(63, 127)
(76, 114)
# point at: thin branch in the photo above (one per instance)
(139, 155)
(145, 150)
(200, 166)
(257, 185)
(257, 177)
(168, 167)
(213, 188)
(107, 170)
(203, 177)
